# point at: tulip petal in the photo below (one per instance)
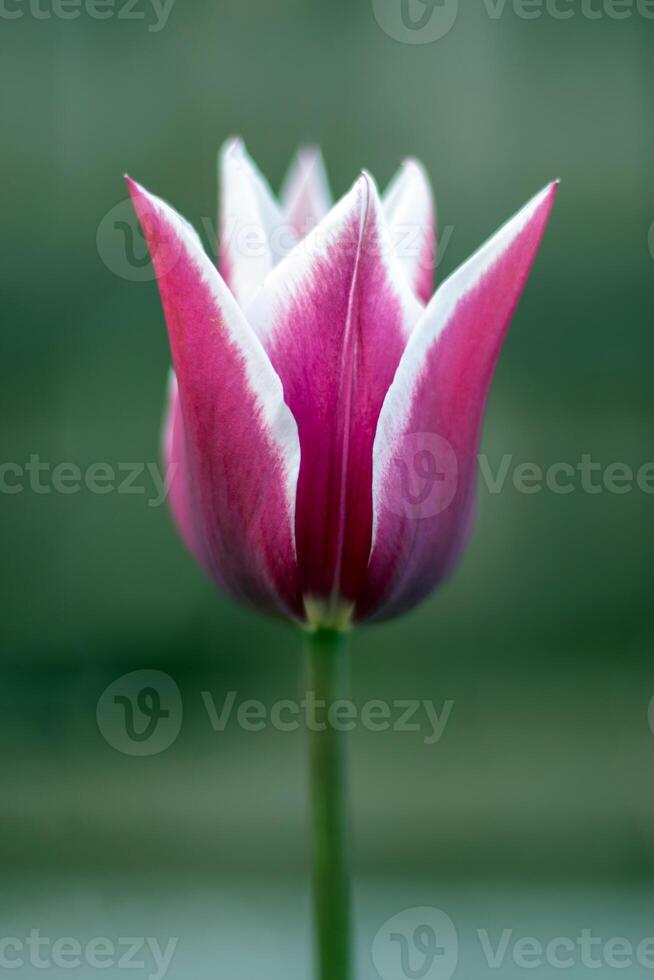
(334, 318)
(409, 208)
(240, 441)
(176, 465)
(305, 196)
(429, 428)
(254, 234)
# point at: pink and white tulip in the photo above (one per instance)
(313, 370)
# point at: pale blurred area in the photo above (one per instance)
(535, 810)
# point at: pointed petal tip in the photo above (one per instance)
(311, 159)
(367, 185)
(136, 190)
(305, 195)
(545, 198)
(416, 172)
(413, 163)
(142, 199)
(362, 195)
(551, 189)
(310, 153)
(233, 147)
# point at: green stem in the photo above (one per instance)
(328, 681)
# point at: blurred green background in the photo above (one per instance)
(535, 809)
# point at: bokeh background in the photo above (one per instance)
(534, 812)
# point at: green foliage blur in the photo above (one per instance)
(543, 639)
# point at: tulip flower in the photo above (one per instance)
(304, 368)
(326, 408)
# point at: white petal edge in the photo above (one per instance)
(254, 233)
(305, 184)
(409, 208)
